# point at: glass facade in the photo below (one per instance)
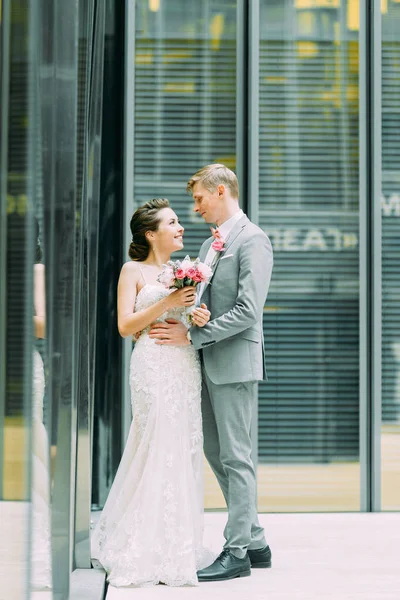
(19, 353)
(309, 205)
(105, 105)
(185, 99)
(272, 89)
(184, 111)
(54, 57)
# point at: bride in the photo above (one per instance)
(151, 527)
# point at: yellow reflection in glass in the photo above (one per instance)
(353, 15)
(306, 22)
(15, 477)
(183, 87)
(144, 58)
(307, 49)
(154, 5)
(216, 30)
(300, 4)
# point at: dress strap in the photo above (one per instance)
(141, 271)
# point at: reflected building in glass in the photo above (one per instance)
(104, 107)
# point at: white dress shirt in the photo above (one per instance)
(224, 229)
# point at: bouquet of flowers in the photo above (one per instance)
(178, 274)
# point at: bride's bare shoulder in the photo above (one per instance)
(130, 268)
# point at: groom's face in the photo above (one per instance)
(206, 203)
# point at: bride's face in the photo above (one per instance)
(169, 235)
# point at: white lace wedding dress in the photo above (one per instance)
(151, 527)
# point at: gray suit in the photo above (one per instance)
(232, 351)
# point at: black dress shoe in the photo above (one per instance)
(260, 559)
(226, 566)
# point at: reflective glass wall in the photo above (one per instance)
(185, 110)
(52, 88)
(309, 205)
(272, 89)
(20, 307)
(278, 90)
(185, 99)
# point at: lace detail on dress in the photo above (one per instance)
(150, 294)
(151, 527)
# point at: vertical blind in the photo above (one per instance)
(308, 183)
(185, 111)
(309, 206)
(185, 115)
(185, 101)
(391, 258)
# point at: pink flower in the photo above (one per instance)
(186, 264)
(191, 273)
(218, 245)
(180, 273)
(196, 276)
(199, 277)
(205, 271)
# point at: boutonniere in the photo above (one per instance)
(219, 243)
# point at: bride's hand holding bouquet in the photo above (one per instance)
(184, 297)
(185, 276)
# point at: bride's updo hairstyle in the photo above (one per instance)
(145, 219)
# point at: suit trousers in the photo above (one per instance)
(227, 414)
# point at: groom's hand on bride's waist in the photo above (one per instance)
(170, 333)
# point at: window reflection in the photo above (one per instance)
(185, 110)
(41, 571)
(309, 409)
(390, 441)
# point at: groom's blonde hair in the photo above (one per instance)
(212, 176)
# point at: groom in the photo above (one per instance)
(232, 351)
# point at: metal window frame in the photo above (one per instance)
(81, 507)
(241, 98)
(128, 179)
(370, 255)
(253, 90)
(252, 159)
(63, 496)
(376, 216)
(92, 19)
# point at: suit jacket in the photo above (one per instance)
(232, 343)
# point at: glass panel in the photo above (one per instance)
(390, 446)
(58, 99)
(71, 83)
(19, 356)
(41, 560)
(185, 110)
(185, 100)
(309, 409)
(107, 436)
(90, 90)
